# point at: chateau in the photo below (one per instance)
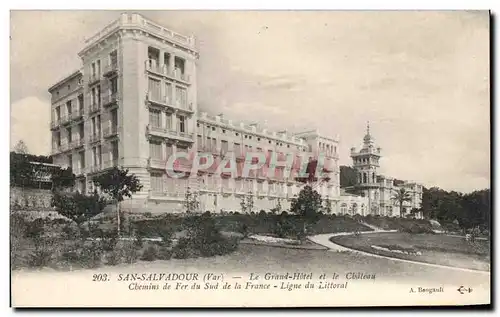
(134, 104)
(377, 191)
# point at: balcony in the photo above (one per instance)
(94, 107)
(111, 131)
(153, 66)
(167, 133)
(111, 69)
(94, 79)
(110, 99)
(166, 101)
(156, 99)
(154, 163)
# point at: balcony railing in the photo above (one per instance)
(110, 69)
(154, 66)
(157, 99)
(185, 136)
(110, 99)
(157, 163)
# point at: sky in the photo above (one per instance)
(420, 78)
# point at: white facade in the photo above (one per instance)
(134, 104)
(379, 190)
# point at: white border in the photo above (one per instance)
(188, 4)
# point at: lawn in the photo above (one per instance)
(431, 248)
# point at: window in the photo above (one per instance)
(70, 161)
(181, 124)
(113, 88)
(57, 138)
(93, 70)
(81, 131)
(168, 122)
(155, 150)
(82, 159)
(181, 97)
(224, 146)
(98, 63)
(199, 140)
(70, 136)
(58, 113)
(343, 209)
(154, 88)
(155, 118)
(68, 107)
(113, 59)
(157, 182)
(114, 150)
(98, 125)
(168, 91)
(98, 91)
(80, 103)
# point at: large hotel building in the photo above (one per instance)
(134, 103)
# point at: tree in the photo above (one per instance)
(328, 206)
(348, 176)
(247, 203)
(191, 201)
(118, 184)
(78, 207)
(21, 170)
(21, 147)
(400, 197)
(307, 205)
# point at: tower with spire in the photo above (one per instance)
(365, 162)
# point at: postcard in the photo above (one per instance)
(250, 158)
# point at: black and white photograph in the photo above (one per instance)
(190, 158)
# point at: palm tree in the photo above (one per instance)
(400, 197)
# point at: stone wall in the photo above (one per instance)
(39, 199)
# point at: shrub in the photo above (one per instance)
(150, 253)
(164, 253)
(76, 206)
(415, 228)
(109, 240)
(203, 239)
(262, 214)
(128, 251)
(91, 255)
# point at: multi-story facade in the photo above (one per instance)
(134, 104)
(377, 190)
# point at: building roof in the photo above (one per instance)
(65, 79)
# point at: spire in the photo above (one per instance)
(368, 140)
